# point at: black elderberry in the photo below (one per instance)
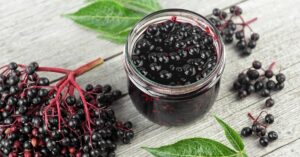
(269, 73)
(116, 94)
(279, 86)
(13, 80)
(261, 132)
(71, 100)
(280, 78)
(253, 74)
(271, 85)
(254, 36)
(242, 94)
(250, 89)
(256, 64)
(106, 88)
(43, 81)
(263, 141)
(256, 127)
(239, 35)
(241, 44)
(43, 92)
(13, 66)
(247, 51)
(128, 124)
(237, 85)
(216, 12)
(246, 131)
(259, 85)
(30, 70)
(265, 92)
(269, 102)
(89, 87)
(251, 44)
(243, 79)
(269, 119)
(272, 136)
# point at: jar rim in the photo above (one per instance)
(155, 88)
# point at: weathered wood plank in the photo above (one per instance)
(34, 30)
(291, 149)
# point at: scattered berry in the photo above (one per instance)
(272, 135)
(270, 102)
(229, 27)
(263, 141)
(269, 119)
(246, 131)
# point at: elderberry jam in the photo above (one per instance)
(174, 59)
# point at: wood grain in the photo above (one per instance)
(35, 30)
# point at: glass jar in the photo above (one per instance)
(173, 105)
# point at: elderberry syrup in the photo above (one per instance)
(174, 59)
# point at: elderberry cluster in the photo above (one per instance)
(29, 117)
(174, 53)
(260, 130)
(258, 80)
(229, 28)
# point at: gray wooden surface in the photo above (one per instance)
(35, 30)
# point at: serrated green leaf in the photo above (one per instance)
(143, 6)
(232, 136)
(106, 16)
(119, 38)
(194, 147)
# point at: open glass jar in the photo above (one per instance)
(173, 105)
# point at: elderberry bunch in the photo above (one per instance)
(229, 27)
(258, 80)
(39, 119)
(260, 129)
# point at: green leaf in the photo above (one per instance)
(232, 136)
(106, 16)
(119, 38)
(194, 147)
(143, 6)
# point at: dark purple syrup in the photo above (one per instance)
(173, 111)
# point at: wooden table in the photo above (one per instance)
(35, 30)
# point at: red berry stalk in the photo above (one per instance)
(65, 87)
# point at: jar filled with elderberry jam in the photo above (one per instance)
(174, 59)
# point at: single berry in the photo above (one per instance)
(269, 102)
(269, 73)
(271, 85)
(254, 36)
(269, 119)
(272, 135)
(256, 64)
(216, 12)
(259, 85)
(263, 141)
(239, 35)
(253, 74)
(252, 44)
(246, 131)
(279, 86)
(261, 132)
(280, 78)
(265, 93)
